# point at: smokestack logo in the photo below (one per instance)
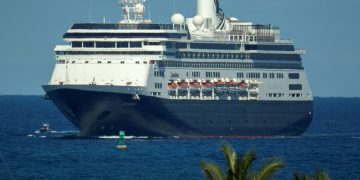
(219, 14)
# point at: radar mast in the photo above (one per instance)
(133, 11)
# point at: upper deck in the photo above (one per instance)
(108, 26)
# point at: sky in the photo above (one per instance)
(329, 31)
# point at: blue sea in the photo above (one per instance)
(332, 143)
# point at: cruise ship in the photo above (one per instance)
(203, 76)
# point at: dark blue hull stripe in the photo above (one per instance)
(101, 113)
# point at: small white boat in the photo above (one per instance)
(44, 128)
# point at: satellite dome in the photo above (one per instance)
(139, 9)
(177, 19)
(198, 20)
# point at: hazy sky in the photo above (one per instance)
(329, 30)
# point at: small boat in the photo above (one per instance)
(44, 128)
(121, 145)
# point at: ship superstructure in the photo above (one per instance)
(208, 75)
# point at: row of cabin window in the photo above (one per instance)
(206, 55)
(275, 95)
(217, 46)
(99, 62)
(230, 65)
(76, 44)
(260, 37)
(156, 93)
(240, 75)
(195, 74)
(117, 26)
(213, 74)
(264, 75)
(175, 35)
(158, 85)
(108, 52)
(295, 87)
(295, 95)
(269, 47)
(159, 74)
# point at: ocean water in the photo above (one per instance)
(332, 143)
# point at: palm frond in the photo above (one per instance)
(231, 160)
(269, 169)
(211, 170)
(244, 165)
(300, 176)
(321, 175)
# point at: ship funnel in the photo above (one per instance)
(211, 12)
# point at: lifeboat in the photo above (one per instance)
(172, 85)
(243, 84)
(221, 85)
(207, 85)
(195, 85)
(183, 85)
(232, 85)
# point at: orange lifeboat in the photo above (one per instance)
(172, 85)
(183, 84)
(243, 84)
(195, 84)
(207, 85)
(220, 83)
(221, 86)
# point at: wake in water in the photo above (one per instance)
(76, 135)
(53, 134)
(134, 137)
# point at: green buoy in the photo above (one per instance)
(122, 145)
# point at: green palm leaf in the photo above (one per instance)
(244, 165)
(269, 169)
(231, 160)
(211, 170)
(321, 175)
(300, 176)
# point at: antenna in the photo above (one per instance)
(90, 11)
(174, 2)
(149, 9)
(133, 10)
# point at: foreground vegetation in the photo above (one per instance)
(239, 168)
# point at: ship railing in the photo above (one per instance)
(260, 33)
(132, 1)
(258, 28)
(108, 26)
(243, 37)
